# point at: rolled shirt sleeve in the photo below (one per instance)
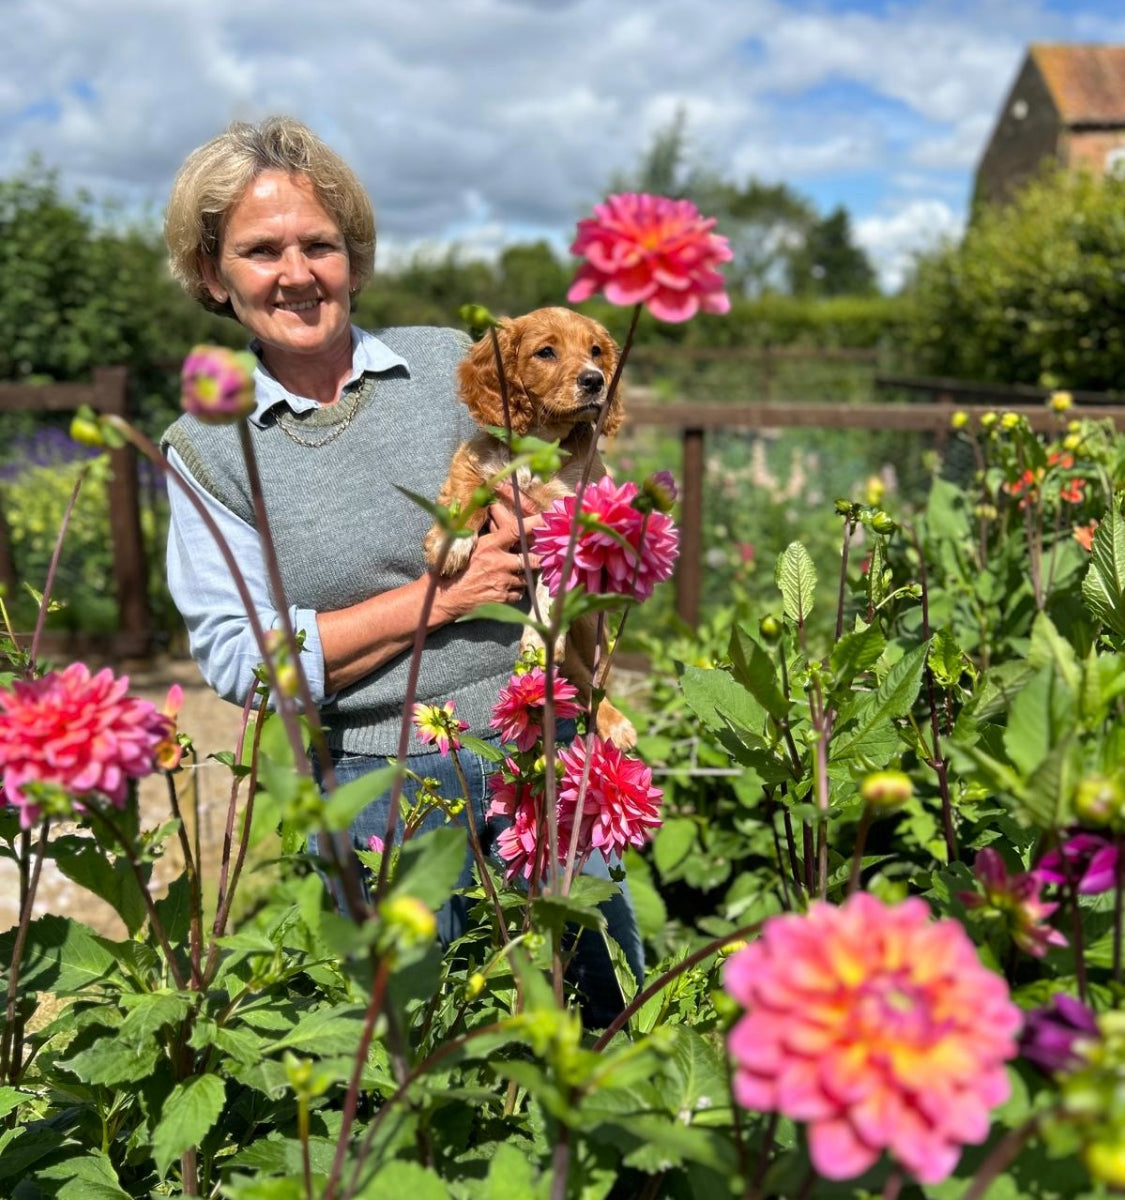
(219, 633)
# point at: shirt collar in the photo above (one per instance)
(368, 355)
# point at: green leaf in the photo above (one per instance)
(190, 1110)
(508, 613)
(1040, 715)
(397, 1179)
(673, 842)
(332, 1030)
(60, 956)
(855, 653)
(10, 1099)
(1049, 648)
(174, 909)
(430, 864)
(696, 1074)
(894, 698)
(947, 660)
(111, 1061)
(1103, 588)
(554, 912)
(90, 1177)
(343, 805)
(152, 1012)
(487, 750)
(796, 577)
(86, 863)
(714, 696)
(757, 672)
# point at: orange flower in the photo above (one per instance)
(1072, 492)
(1084, 535)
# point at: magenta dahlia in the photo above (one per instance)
(518, 713)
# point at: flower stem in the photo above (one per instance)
(661, 982)
(754, 1185)
(857, 856)
(478, 852)
(194, 883)
(52, 570)
(1118, 907)
(999, 1157)
(1079, 947)
(11, 1049)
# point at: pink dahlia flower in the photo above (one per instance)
(78, 732)
(650, 250)
(518, 713)
(620, 808)
(1085, 860)
(1014, 897)
(438, 723)
(217, 384)
(519, 844)
(629, 557)
(877, 1026)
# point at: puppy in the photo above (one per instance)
(558, 366)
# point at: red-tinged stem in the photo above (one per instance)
(860, 842)
(1118, 906)
(560, 1163)
(232, 806)
(378, 991)
(52, 571)
(194, 882)
(442, 1052)
(849, 529)
(893, 1186)
(10, 1065)
(150, 904)
(658, 985)
(999, 1158)
(754, 1188)
(478, 852)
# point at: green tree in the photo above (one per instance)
(1033, 294)
(828, 262)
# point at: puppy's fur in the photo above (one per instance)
(558, 366)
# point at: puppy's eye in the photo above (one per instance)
(545, 352)
(595, 351)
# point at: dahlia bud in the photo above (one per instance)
(886, 789)
(474, 985)
(959, 419)
(1098, 800)
(1105, 1160)
(409, 920)
(882, 523)
(658, 492)
(477, 318)
(86, 429)
(287, 679)
(1061, 402)
(874, 490)
(217, 384)
(770, 629)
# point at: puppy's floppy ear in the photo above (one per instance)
(480, 381)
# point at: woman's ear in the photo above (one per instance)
(211, 278)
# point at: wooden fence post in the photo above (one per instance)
(689, 573)
(111, 385)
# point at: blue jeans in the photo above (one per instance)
(591, 971)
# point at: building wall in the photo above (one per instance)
(1027, 131)
(1093, 150)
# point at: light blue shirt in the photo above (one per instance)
(219, 633)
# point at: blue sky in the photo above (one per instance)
(488, 121)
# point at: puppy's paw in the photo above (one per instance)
(457, 559)
(615, 727)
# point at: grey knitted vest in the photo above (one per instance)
(344, 533)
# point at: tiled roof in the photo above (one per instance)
(1087, 83)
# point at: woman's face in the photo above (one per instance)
(283, 265)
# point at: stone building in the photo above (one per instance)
(1066, 105)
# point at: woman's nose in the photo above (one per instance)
(294, 267)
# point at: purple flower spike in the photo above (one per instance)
(1050, 1034)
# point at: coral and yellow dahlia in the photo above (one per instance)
(877, 1026)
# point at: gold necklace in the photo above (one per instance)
(337, 427)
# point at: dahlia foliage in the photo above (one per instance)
(79, 734)
(879, 1028)
(650, 250)
(621, 550)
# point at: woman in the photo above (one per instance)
(269, 226)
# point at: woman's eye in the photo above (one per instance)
(595, 351)
(260, 252)
(545, 352)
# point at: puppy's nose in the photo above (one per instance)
(591, 381)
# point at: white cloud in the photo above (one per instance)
(500, 115)
(892, 239)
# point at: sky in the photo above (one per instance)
(486, 122)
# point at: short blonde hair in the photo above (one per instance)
(214, 177)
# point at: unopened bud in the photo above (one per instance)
(1105, 1161)
(474, 985)
(1098, 799)
(886, 789)
(882, 523)
(770, 629)
(288, 681)
(86, 429)
(217, 384)
(409, 920)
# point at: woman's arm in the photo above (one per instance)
(341, 647)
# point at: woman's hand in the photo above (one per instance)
(495, 574)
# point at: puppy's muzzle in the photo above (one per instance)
(591, 382)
